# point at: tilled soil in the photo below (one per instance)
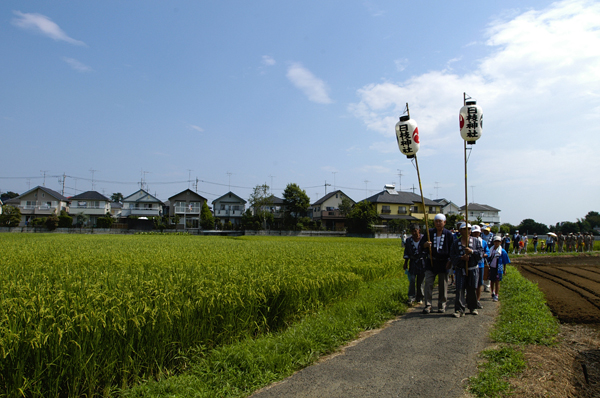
(571, 285)
(572, 288)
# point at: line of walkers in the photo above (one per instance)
(472, 262)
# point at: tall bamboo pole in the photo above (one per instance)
(466, 196)
(422, 200)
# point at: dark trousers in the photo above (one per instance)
(415, 286)
(468, 284)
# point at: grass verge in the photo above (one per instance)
(239, 369)
(524, 319)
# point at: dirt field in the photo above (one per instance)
(571, 285)
(572, 288)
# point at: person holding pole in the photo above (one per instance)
(465, 255)
(414, 263)
(438, 265)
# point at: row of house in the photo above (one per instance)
(390, 205)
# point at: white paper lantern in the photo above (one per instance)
(407, 135)
(471, 122)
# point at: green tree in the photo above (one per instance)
(362, 218)
(568, 227)
(207, 221)
(346, 206)
(8, 195)
(261, 200)
(116, 197)
(453, 219)
(51, 222)
(82, 219)
(529, 226)
(65, 220)
(10, 217)
(593, 217)
(105, 222)
(507, 228)
(296, 203)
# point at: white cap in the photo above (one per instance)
(497, 238)
(440, 216)
(462, 225)
(475, 228)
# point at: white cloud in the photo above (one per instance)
(42, 24)
(401, 64)
(315, 89)
(268, 60)
(542, 64)
(197, 128)
(76, 65)
(538, 87)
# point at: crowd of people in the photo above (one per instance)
(472, 258)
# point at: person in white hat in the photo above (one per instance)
(476, 232)
(438, 264)
(465, 255)
(498, 260)
(516, 241)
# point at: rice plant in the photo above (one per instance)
(80, 315)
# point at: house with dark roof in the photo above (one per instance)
(448, 207)
(40, 202)
(186, 205)
(489, 215)
(394, 205)
(141, 204)
(229, 208)
(327, 211)
(88, 206)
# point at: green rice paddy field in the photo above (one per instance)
(82, 313)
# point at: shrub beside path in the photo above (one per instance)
(416, 355)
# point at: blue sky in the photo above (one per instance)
(239, 93)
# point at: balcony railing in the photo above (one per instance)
(37, 207)
(230, 213)
(186, 209)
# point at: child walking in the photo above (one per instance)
(498, 260)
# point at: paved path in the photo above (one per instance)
(416, 355)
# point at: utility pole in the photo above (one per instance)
(44, 171)
(189, 177)
(63, 184)
(143, 182)
(93, 171)
(413, 188)
(399, 180)
(366, 190)
(271, 187)
(334, 173)
(229, 174)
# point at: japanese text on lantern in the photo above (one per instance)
(472, 122)
(405, 138)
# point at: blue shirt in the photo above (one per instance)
(486, 250)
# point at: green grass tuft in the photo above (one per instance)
(524, 319)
